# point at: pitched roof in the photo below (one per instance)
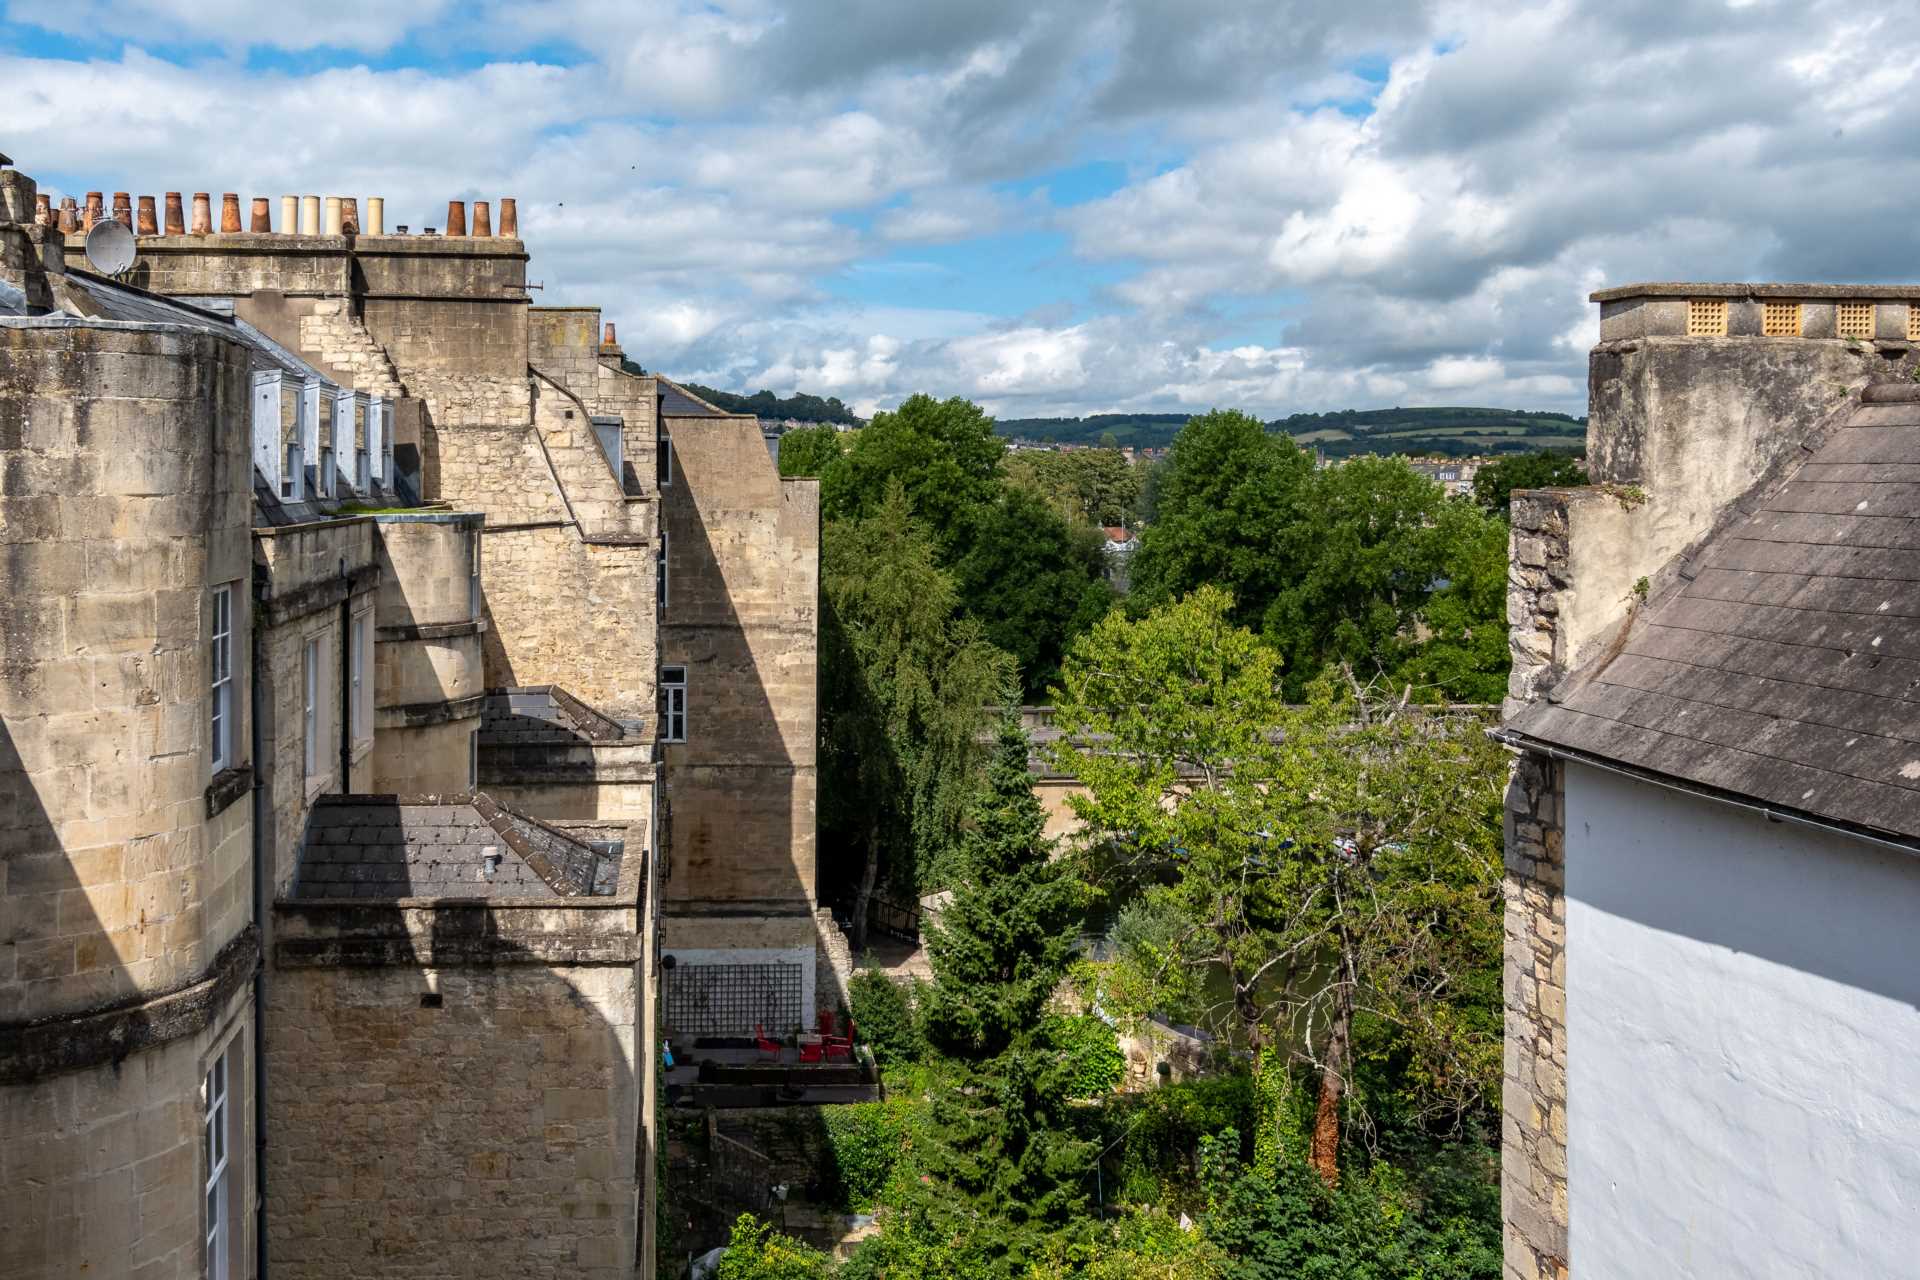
(1787, 670)
(387, 847)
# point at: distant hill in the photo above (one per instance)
(800, 406)
(1342, 433)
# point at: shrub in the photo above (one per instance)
(866, 1140)
(755, 1251)
(886, 1014)
(1095, 1065)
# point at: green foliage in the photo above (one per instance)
(1161, 1130)
(1003, 942)
(903, 683)
(1493, 484)
(1033, 582)
(1094, 1063)
(942, 453)
(800, 407)
(867, 1140)
(1449, 430)
(1096, 486)
(755, 1251)
(810, 451)
(1464, 657)
(884, 1011)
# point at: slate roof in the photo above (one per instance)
(386, 847)
(1787, 669)
(546, 715)
(677, 402)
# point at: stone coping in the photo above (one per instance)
(461, 519)
(417, 245)
(1702, 289)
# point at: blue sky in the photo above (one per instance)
(1077, 206)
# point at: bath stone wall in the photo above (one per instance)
(743, 618)
(389, 1159)
(429, 653)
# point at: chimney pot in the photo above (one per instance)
(456, 218)
(429, 231)
(260, 215)
(609, 340)
(93, 213)
(123, 209)
(69, 215)
(147, 224)
(509, 218)
(332, 226)
(289, 215)
(376, 216)
(350, 214)
(43, 209)
(309, 215)
(400, 230)
(229, 212)
(202, 214)
(482, 219)
(176, 221)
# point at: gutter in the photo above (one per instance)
(1798, 817)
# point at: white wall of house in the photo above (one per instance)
(1743, 1044)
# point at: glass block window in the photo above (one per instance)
(1780, 319)
(1854, 319)
(1707, 318)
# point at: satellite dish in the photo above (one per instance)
(109, 247)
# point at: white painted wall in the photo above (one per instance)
(1743, 1044)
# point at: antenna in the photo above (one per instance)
(110, 247)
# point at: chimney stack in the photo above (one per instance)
(482, 219)
(260, 216)
(148, 223)
(309, 215)
(229, 212)
(509, 218)
(176, 221)
(331, 226)
(376, 216)
(43, 209)
(456, 218)
(289, 215)
(350, 215)
(69, 216)
(94, 212)
(123, 209)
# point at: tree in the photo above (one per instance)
(1493, 484)
(1092, 485)
(1033, 581)
(810, 451)
(903, 683)
(1464, 657)
(755, 1251)
(943, 452)
(1310, 869)
(1003, 942)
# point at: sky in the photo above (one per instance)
(1046, 206)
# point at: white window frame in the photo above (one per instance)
(310, 711)
(221, 1109)
(267, 455)
(310, 439)
(673, 703)
(220, 712)
(362, 415)
(666, 459)
(661, 585)
(360, 646)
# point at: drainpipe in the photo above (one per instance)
(257, 740)
(346, 680)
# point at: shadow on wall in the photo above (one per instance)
(466, 1106)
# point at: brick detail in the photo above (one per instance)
(1533, 1155)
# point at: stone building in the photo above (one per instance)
(1710, 991)
(379, 652)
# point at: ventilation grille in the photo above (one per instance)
(1780, 319)
(1707, 318)
(1913, 322)
(1854, 319)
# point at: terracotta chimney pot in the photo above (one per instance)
(43, 209)
(202, 214)
(229, 212)
(94, 212)
(456, 218)
(123, 209)
(482, 219)
(69, 215)
(509, 218)
(260, 215)
(147, 224)
(609, 340)
(350, 214)
(176, 221)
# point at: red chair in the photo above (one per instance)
(826, 1022)
(840, 1048)
(812, 1052)
(769, 1049)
